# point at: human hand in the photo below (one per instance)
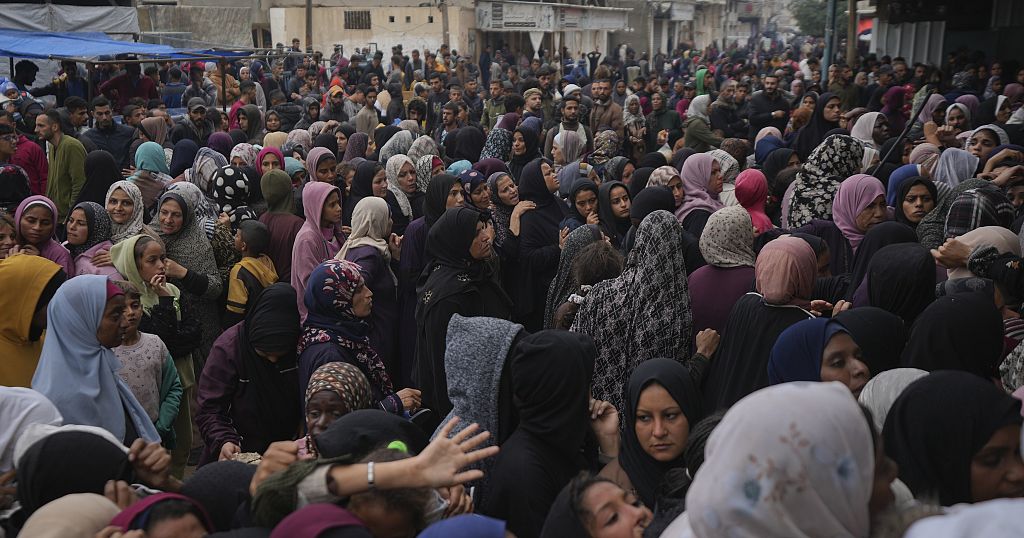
(102, 259)
(593, 218)
(116, 532)
(841, 306)
(707, 342)
(277, 458)
(1008, 174)
(562, 234)
(522, 207)
(459, 500)
(604, 422)
(411, 399)
(819, 307)
(152, 463)
(128, 172)
(952, 254)
(224, 219)
(174, 270)
(662, 137)
(120, 493)
(227, 450)
(25, 249)
(395, 246)
(441, 463)
(159, 285)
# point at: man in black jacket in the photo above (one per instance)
(194, 125)
(108, 134)
(768, 108)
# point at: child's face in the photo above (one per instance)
(7, 239)
(133, 314)
(239, 242)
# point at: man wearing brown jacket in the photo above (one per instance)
(606, 114)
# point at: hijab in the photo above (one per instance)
(728, 238)
(123, 257)
(230, 193)
(854, 195)
(997, 237)
(752, 193)
(469, 143)
(879, 236)
(264, 151)
(882, 389)
(614, 227)
(100, 173)
(902, 194)
(779, 451)
(357, 145)
(615, 168)
(641, 178)
(330, 319)
(571, 145)
(20, 408)
(831, 162)
(49, 248)
(183, 156)
(776, 162)
(797, 353)
(424, 170)
(370, 226)
(896, 180)
(300, 138)
(254, 129)
(245, 151)
(963, 108)
(392, 169)
(642, 314)
(974, 208)
(501, 213)
(498, 144)
(630, 119)
(954, 166)
(994, 129)
(435, 200)
(421, 147)
(728, 165)
(275, 139)
(645, 472)
(399, 144)
(785, 270)
(220, 142)
(936, 426)
(699, 108)
(934, 102)
(94, 395)
(99, 227)
(190, 245)
(901, 279)
(150, 157)
(76, 515)
(962, 331)
(533, 188)
(563, 283)
(696, 176)
(766, 146)
(276, 186)
(316, 155)
(156, 129)
(880, 335)
(810, 136)
(518, 163)
(343, 379)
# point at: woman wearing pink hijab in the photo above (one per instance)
(752, 193)
(859, 205)
(702, 183)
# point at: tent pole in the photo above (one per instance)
(224, 85)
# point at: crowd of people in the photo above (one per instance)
(701, 294)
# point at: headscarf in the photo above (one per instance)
(882, 389)
(14, 186)
(313, 160)
(752, 193)
(100, 173)
(963, 108)
(974, 208)
(76, 515)
(904, 189)
(880, 335)
(971, 102)
(954, 166)
(156, 129)
(99, 227)
(901, 280)
(20, 408)
(797, 353)
(699, 108)
(424, 169)
(259, 158)
(994, 129)
(329, 318)
(641, 178)
(123, 257)
(301, 138)
(962, 331)
(205, 167)
(464, 526)
(767, 131)
(854, 195)
(836, 159)
(614, 227)
(997, 237)
(936, 426)
(357, 145)
(392, 169)
(562, 285)
(237, 136)
(728, 238)
(49, 248)
(501, 213)
(150, 157)
(370, 223)
(628, 118)
(459, 167)
(533, 188)
(136, 516)
(864, 129)
(95, 395)
(642, 314)
(490, 166)
(809, 138)
(399, 144)
(893, 107)
(606, 146)
(220, 142)
(696, 176)
(276, 139)
(879, 236)
(645, 472)
(469, 144)
(727, 163)
(785, 270)
(778, 452)
(776, 162)
(934, 102)
(247, 152)
(997, 518)
(254, 129)
(766, 146)
(183, 156)
(571, 145)
(926, 155)
(341, 378)
(230, 193)
(319, 519)
(615, 167)
(471, 179)
(498, 144)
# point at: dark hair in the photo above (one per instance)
(6, 219)
(276, 95)
(412, 503)
(150, 70)
(140, 246)
(693, 454)
(75, 102)
(342, 170)
(53, 118)
(6, 129)
(596, 262)
(99, 101)
(173, 72)
(128, 110)
(578, 487)
(170, 509)
(418, 105)
(451, 107)
(256, 236)
(568, 99)
(514, 101)
(129, 289)
(246, 85)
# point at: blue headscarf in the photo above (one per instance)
(896, 179)
(796, 355)
(459, 167)
(466, 526)
(150, 157)
(765, 146)
(77, 373)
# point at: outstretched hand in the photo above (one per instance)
(441, 464)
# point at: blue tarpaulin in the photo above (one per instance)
(22, 44)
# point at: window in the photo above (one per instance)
(408, 19)
(358, 20)
(430, 19)
(391, 18)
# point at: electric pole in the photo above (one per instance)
(830, 35)
(309, 26)
(851, 34)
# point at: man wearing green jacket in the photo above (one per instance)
(66, 156)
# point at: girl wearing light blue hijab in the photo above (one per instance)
(78, 371)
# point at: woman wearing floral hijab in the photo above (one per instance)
(642, 314)
(811, 194)
(727, 247)
(244, 155)
(334, 390)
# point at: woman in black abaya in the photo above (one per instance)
(540, 240)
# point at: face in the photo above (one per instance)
(571, 110)
(918, 202)
(325, 170)
(770, 85)
(533, 102)
(873, 214)
(270, 162)
(332, 210)
(77, 227)
(8, 144)
(808, 102)
(611, 512)
(741, 93)
(715, 184)
(152, 262)
(342, 141)
(371, 147)
(8, 238)
(676, 186)
(620, 202)
(956, 118)
(996, 469)
(729, 92)
(557, 155)
(380, 184)
(586, 202)
(44, 129)
(886, 471)
(171, 217)
(550, 179)
(435, 84)
(455, 95)
(80, 117)
(507, 191)
(113, 325)
(1016, 195)
(627, 173)
(496, 90)
(656, 101)
(1003, 115)
(132, 312)
(982, 143)
(407, 178)
(881, 131)
(831, 112)
(322, 409)
(518, 144)
(841, 361)
(104, 117)
(661, 427)
(481, 196)
(481, 248)
(382, 521)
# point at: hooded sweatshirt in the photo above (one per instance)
(313, 244)
(19, 349)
